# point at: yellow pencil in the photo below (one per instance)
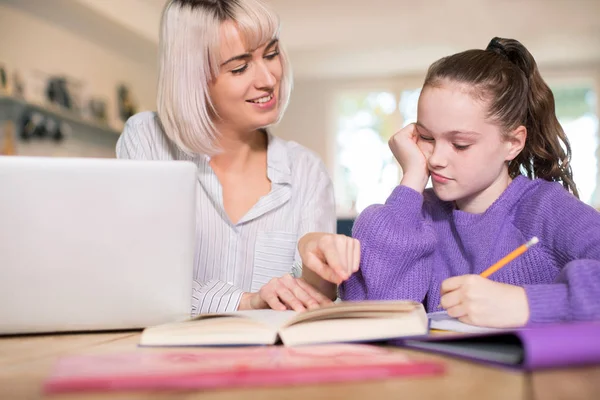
(509, 257)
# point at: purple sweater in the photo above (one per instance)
(413, 242)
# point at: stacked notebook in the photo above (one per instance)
(531, 348)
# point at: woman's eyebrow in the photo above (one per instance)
(246, 56)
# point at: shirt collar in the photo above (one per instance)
(278, 160)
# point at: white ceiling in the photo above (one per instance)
(348, 38)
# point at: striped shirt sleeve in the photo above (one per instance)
(215, 296)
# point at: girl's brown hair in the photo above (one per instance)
(506, 75)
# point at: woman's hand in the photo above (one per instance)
(284, 293)
(328, 259)
(480, 301)
(412, 160)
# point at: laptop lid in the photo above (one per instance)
(94, 244)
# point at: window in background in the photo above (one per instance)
(408, 105)
(576, 109)
(366, 171)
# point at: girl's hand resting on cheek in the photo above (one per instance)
(404, 146)
(479, 301)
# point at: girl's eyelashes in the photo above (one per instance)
(458, 147)
(461, 147)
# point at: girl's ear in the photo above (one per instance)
(516, 142)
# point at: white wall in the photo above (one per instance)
(31, 42)
(306, 118)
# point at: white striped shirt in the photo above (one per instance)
(242, 257)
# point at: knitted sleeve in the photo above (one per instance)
(570, 230)
(397, 246)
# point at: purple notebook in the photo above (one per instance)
(539, 347)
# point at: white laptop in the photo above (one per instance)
(94, 244)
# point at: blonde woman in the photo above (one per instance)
(223, 78)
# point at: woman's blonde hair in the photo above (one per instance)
(189, 61)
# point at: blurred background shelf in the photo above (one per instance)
(14, 109)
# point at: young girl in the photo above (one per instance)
(488, 137)
(223, 78)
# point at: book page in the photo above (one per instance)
(358, 309)
(271, 318)
(356, 321)
(235, 328)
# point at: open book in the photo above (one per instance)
(340, 322)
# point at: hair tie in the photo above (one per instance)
(498, 48)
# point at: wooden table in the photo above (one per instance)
(26, 361)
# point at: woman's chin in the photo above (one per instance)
(262, 123)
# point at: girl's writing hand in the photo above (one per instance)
(479, 301)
